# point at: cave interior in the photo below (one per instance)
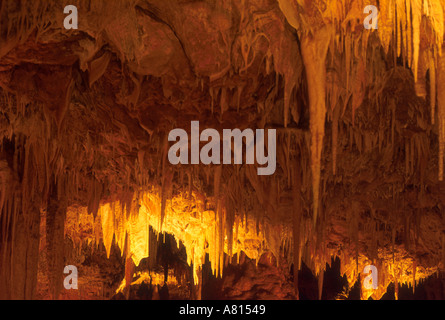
(86, 178)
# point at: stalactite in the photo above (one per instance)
(385, 27)
(400, 22)
(166, 179)
(432, 66)
(408, 33)
(414, 274)
(107, 217)
(97, 67)
(212, 98)
(289, 84)
(406, 158)
(287, 159)
(433, 9)
(416, 14)
(348, 59)
(412, 149)
(223, 102)
(441, 110)
(221, 237)
(314, 52)
(238, 99)
(443, 248)
(407, 232)
(358, 88)
(129, 268)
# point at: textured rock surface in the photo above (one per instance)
(85, 114)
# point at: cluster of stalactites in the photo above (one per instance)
(400, 24)
(201, 232)
(416, 30)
